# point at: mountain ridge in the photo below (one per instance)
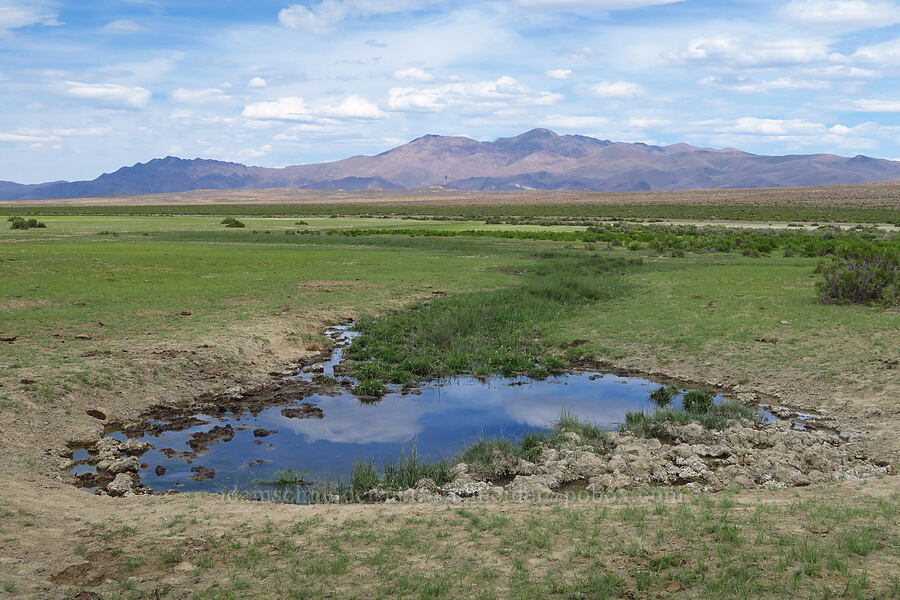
(539, 159)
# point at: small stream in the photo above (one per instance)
(438, 419)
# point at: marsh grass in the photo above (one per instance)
(718, 416)
(484, 332)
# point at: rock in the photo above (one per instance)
(200, 442)
(119, 465)
(529, 487)
(121, 484)
(159, 470)
(134, 447)
(202, 473)
(97, 414)
(260, 432)
(304, 411)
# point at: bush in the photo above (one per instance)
(663, 395)
(232, 222)
(697, 402)
(861, 275)
(20, 223)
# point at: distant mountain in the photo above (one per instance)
(538, 159)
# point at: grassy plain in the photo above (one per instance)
(120, 312)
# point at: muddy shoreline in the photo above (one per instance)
(117, 463)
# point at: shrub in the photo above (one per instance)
(20, 223)
(697, 402)
(861, 275)
(663, 395)
(232, 222)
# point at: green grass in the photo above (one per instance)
(717, 417)
(698, 547)
(488, 331)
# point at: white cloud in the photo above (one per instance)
(589, 5)
(502, 92)
(558, 74)
(257, 82)
(295, 108)
(845, 15)
(109, 93)
(754, 86)
(19, 138)
(353, 107)
(777, 127)
(617, 89)
(875, 106)
(123, 26)
(324, 17)
(198, 96)
(15, 14)
(292, 108)
(413, 74)
(320, 18)
(885, 54)
(754, 52)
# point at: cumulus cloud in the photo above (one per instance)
(295, 108)
(841, 14)
(502, 92)
(617, 89)
(111, 94)
(257, 82)
(413, 74)
(199, 96)
(558, 74)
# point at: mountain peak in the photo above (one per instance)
(537, 159)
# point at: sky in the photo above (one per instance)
(87, 87)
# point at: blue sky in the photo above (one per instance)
(86, 87)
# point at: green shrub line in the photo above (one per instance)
(716, 416)
(539, 214)
(674, 240)
(486, 332)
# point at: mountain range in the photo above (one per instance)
(536, 160)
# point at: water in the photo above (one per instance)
(439, 419)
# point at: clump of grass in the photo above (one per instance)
(716, 417)
(288, 477)
(233, 223)
(698, 402)
(397, 474)
(663, 395)
(861, 275)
